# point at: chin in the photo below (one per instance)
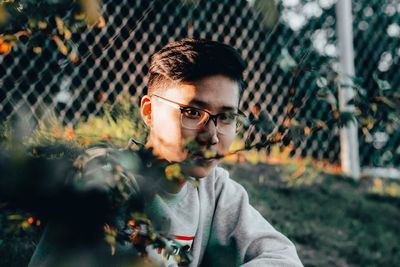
(201, 169)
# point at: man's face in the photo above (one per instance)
(167, 137)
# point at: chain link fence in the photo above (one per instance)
(377, 52)
(114, 60)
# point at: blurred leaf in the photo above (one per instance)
(49, 18)
(174, 172)
(393, 117)
(5, 131)
(268, 9)
(275, 137)
(296, 134)
(345, 118)
(295, 123)
(351, 102)
(42, 25)
(190, 2)
(327, 95)
(367, 135)
(286, 62)
(73, 55)
(16, 217)
(386, 101)
(368, 122)
(357, 79)
(55, 2)
(60, 45)
(360, 90)
(383, 85)
(319, 124)
(264, 122)
(3, 16)
(374, 107)
(60, 25)
(92, 10)
(101, 22)
(5, 48)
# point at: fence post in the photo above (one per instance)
(349, 152)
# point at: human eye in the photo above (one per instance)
(227, 117)
(192, 113)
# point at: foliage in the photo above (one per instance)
(300, 174)
(58, 181)
(57, 148)
(119, 123)
(372, 111)
(54, 141)
(267, 9)
(102, 186)
(334, 220)
(41, 20)
(384, 188)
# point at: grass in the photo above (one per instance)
(335, 221)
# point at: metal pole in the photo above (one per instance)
(349, 153)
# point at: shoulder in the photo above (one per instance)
(106, 157)
(216, 177)
(219, 182)
(102, 151)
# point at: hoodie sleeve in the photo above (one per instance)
(240, 235)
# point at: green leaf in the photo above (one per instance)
(268, 9)
(296, 134)
(383, 85)
(387, 102)
(351, 102)
(190, 2)
(357, 80)
(327, 95)
(345, 118)
(392, 116)
(264, 122)
(286, 61)
(360, 90)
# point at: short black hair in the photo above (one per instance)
(191, 59)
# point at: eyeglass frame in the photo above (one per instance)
(213, 117)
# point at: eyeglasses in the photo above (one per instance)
(196, 118)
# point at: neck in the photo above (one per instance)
(173, 187)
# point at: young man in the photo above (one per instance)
(194, 89)
(193, 95)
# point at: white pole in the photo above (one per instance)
(349, 153)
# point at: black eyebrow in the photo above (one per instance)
(204, 104)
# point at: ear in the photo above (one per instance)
(145, 109)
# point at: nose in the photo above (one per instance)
(209, 134)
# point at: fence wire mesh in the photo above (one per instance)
(114, 59)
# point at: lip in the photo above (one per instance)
(202, 158)
(202, 155)
(205, 161)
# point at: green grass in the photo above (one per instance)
(333, 222)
